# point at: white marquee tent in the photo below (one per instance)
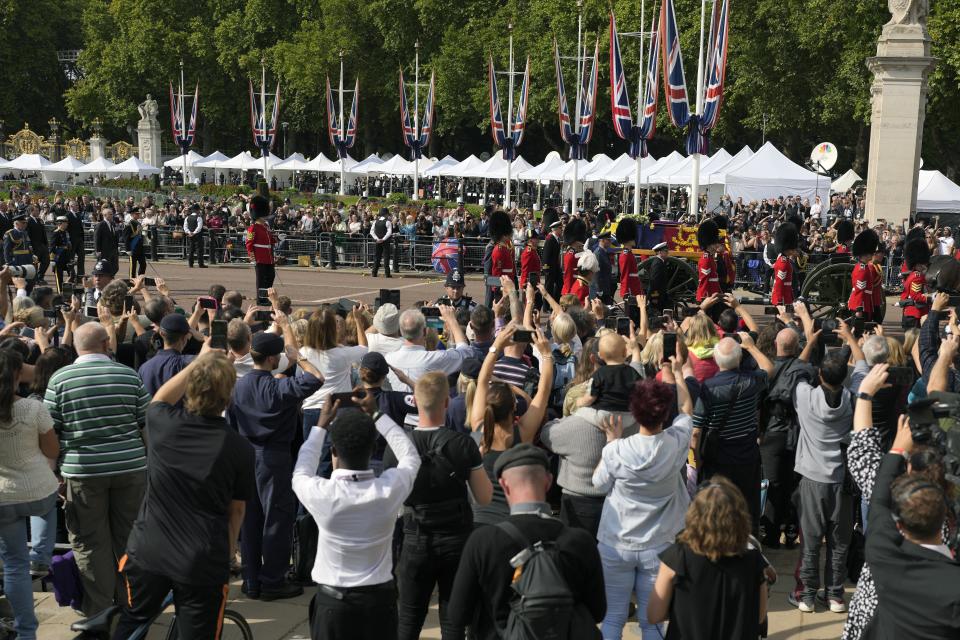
(363, 166)
(61, 170)
(29, 162)
(434, 169)
(770, 174)
(133, 165)
(296, 162)
(662, 167)
(466, 167)
(395, 166)
(936, 193)
(846, 181)
(101, 166)
(496, 168)
(176, 162)
(552, 162)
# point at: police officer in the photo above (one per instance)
(265, 410)
(38, 241)
(102, 275)
(61, 251)
(133, 241)
(381, 232)
(260, 243)
(76, 232)
(105, 240)
(659, 278)
(193, 227)
(16, 243)
(454, 288)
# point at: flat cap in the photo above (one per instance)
(375, 362)
(522, 455)
(267, 344)
(175, 323)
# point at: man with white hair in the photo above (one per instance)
(890, 401)
(414, 360)
(725, 417)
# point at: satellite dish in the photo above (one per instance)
(824, 156)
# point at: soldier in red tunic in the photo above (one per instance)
(708, 237)
(501, 259)
(260, 243)
(787, 240)
(529, 261)
(845, 233)
(861, 294)
(916, 255)
(574, 235)
(630, 284)
(726, 270)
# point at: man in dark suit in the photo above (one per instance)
(6, 218)
(76, 233)
(552, 268)
(105, 240)
(658, 294)
(38, 241)
(917, 578)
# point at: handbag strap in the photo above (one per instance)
(736, 397)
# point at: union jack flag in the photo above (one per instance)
(264, 130)
(566, 130)
(716, 65)
(496, 118)
(588, 106)
(408, 121)
(648, 121)
(520, 117)
(342, 140)
(674, 80)
(509, 143)
(183, 132)
(637, 136)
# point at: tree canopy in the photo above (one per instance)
(796, 74)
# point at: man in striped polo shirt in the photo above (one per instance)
(99, 407)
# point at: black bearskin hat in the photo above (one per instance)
(259, 207)
(786, 237)
(915, 233)
(499, 225)
(707, 234)
(916, 252)
(575, 231)
(549, 217)
(722, 222)
(845, 231)
(626, 230)
(865, 243)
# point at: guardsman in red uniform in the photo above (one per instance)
(726, 270)
(587, 267)
(260, 243)
(708, 236)
(879, 298)
(529, 261)
(574, 235)
(916, 255)
(787, 239)
(845, 233)
(501, 260)
(630, 284)
(861, 294)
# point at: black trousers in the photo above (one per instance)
(199, 608)
(382, 253)
(79, 254)
(582, 512)
(138, 264)
(356, 613)
(553, 283)
(778, 462)
(427, 560)
(43, 258)
(195, 246)
(60, 272)
(266, 535)
(265, 275)
(746, 477)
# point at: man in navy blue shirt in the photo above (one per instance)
(169, 361)
(265, 411)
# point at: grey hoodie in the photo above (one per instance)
(822, 430)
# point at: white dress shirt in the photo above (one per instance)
(198, 229)
(336, 365)
(381, 343)
(355, 511)
(373, 233)
(414, 361)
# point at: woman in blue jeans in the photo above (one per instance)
(28, 447)
(646, 497)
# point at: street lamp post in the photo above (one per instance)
(54, 141)
(284, 125)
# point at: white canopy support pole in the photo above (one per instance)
(640, 105)
(416, 116)
(695, 165)
(509, 132)
(343, 135)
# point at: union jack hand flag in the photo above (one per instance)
(183, 133)
(264, 130)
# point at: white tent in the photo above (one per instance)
(363, 166)
(551, 163)
(61, 170)
(3, 162)
(770, 174)
(29, 162)
(465, 168)
(846, 181)
(215, 160)
(176, 162)
(100, 166)
(936, 193)
(236, 163)
(296, 162)
(718, 171)
(133, 165)
(624, 168)
(662, 168)
(395, 166)
(496, 168)
(682, 172)
(434, 169)
(256, 164)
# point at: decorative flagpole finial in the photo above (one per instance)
(579, 5)
(181, 63)
(416, 45)
(341, 54)
(509, 26)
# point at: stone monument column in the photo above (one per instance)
(148, 133)
(899, 98)
(98, 146)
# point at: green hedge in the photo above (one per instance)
(128, 183)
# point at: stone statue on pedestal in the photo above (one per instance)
(908, 12)
(148, 132)
(148, 110)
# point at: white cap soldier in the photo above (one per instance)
(61, 251)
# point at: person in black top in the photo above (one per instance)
(133, 240)
(552, 268)
(75, 231)
(105, 240)
(437, 518)
(194, 228)
(61, 252)
(481, 592)
(381, 232)
(200, 473)
(38, 240)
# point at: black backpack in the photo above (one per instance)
(543, 607)
(445, 514)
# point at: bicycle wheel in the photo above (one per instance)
(235, 627)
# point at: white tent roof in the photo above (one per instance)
(718, 171)
(769, 174)
(846, 181)
(663, 168)
(100, 165)
(29, 162)
(296, 162)
(552, 162)
(192, 159)
(467, 167)
(564, 172)
(236, 162)
(256, 164)
(434, 169)
(363, 166)
(134, 165)
(395, 166)
(682, 172)
(214, 160)
(496, 168)
(937, 193)
(3, 162)
(598, 164)
(67, 165)
(622, 169)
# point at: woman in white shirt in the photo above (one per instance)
(28, 445)
(335, 362)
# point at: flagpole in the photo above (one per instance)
(641, 98)
(416, 116)
(509, 127)
(694, 204)
(183, 127)
(343, 134)
(576, 128)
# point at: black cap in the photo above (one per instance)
(20, 216)
(104, 268)
(267, 344)
(471, 368)
(522, 455)
(455, 278)
(175, 323)
(375, 362)
(606, 235)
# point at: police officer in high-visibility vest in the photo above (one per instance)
(61, 251)
(16, 244)
(133, 241)
(260, 243)
(193, 227)
(382, 232)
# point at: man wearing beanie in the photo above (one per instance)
(381, 232)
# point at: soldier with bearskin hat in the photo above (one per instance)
(726, 271)
(552, 267)
(574, 235)
(260, 243)
(630, 284)
(916, 255)
(708, 237)
(845, 233)
(861, 295)
(787, 240)
(501, 256)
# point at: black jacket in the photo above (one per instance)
(75, 227)
(918, 589)
(105, 240)
(37, 234)
(551, 257)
